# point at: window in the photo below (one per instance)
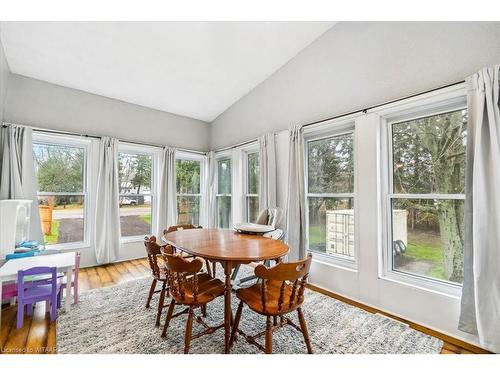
(224, 175)
(426, 195)
(60, 167)
(252, 187)
(330, 195)
(135, 167)
(188, 191)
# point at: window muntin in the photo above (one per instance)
(426, 195)
(252, 187)
(330, 195)
(188, 172)
(135, 174)
(61, 189)
(224, 193)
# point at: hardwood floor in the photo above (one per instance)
(38, 334)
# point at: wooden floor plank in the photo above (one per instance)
(8, 320)
(93, 278)
(37, 337)
(104, 276)
(16, 341)
(133, 269)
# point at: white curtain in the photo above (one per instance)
(167, 201)
(17, 171)
(210, 190)
(295, 212)
(107, 212)
(480, 313)
(267, 174)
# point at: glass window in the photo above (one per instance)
(427, 195)
(60, 173)
(252, 187)
(330, 195)
(224, 185)
(188, 191)
(135, 180)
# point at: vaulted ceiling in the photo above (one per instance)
(194, 69)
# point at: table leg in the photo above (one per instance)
(69, 278)
(227, 305)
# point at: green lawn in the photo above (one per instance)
(52, 238)
(146, 218)
(431, 254)
(317, 237)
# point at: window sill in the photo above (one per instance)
(332, 260)
(421, 283)
(68, 246)
(133, 239)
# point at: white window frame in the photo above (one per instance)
(154, 152)
(329, 129)
(425, 105)
(218, 158)
(79, 142)
(183, 155)
(253, 148)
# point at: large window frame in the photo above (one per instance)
(423, 106)
(201, 158)
(153, 152)
(330, 129)
(249, 150)
(77, 142)
(221, 158)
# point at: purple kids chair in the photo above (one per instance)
(29, 292)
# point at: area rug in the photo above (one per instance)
(114, 320)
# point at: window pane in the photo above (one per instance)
(429, 154)
(224, 176)
(188, 209)
(253, 173)
(427, 237)
(224, 212)
(62, 218)
(252, 209)
(135, 215)
(188, 176)
(59, 168)
(331, 165)
(134, 173)
(331, 225)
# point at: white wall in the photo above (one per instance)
(355, 65)
(4, 74)
(38, 103)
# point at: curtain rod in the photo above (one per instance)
(62, 132)
(363, 110)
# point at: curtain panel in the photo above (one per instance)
(17, 171)
(267, 172)
(295, 211)
(107, 209)
(480, 304)
(167, 197)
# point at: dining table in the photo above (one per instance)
(229, 248)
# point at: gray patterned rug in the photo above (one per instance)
(114, 320)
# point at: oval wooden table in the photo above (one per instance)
(230, 249)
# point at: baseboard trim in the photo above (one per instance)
(453, 340)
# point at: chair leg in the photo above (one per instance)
(30, 309)
(75, 292)
(236, 324)
(47, 306)
(189, 330)
(160, 303)
(151, 291)
(53, 307)
(59, 299)
(169, 317)
(204, 310)
(214, 269)
(269, 335)
(303, 327)
(20, 315)
(235, 272)
(207, 265)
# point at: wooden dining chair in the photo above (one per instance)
(211, 270)
(192, 289)
(158, 272)
(280, 291)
